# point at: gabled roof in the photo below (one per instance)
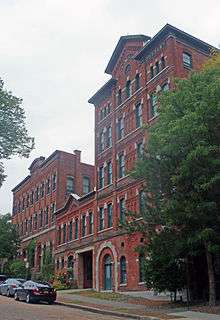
(75, 200)
(119, 47)
(104, 91)
(183, 36)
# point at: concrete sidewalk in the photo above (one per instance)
(121, 308)
(192, 315)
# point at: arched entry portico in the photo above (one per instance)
(106, 269)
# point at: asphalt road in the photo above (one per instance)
(15, 310)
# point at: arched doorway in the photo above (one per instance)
(107, 272)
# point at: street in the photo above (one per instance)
(13, 310)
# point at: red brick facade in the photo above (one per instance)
(89, 239)
(44, 191)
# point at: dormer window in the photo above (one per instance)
(70, 185)
(157, 67)
(187, 60)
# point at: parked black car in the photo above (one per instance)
(31, 291)
(2, 278)
(8, 287)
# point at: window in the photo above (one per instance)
(32, 197)
(91, 221)
(140, 150)
(128, 88)
(153, 106)
(101, 141)
(165, 87)
(157, 67)
(109, 137)
(41, 219)
(30, 224)
(122, 210)
(138, 115)
(76, 228)
(62, 263)
(42, 190)
(70, 185)
(59, 235)
(101, 177)
(54, 181)
(109, 212)
(142, 200)
(23, 204)
(151, 72)
(119, 97)
(28, 200)
(58, 264)
(109, 172)
(48, 186)
(53, 207)
(47, 215)
(187, 60)
(64, 233)
(70, 262)
(86, 185)
(120, 128)
(101, 218)
(37, 194)
(163, 63)
(121, 165)
(83, 225)
(26, 226)
(35, 221)
(123, 271)
(71, 231)
(141, 268)
(137, 81)
(19, 206)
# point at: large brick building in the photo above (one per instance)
(42, 192)
(90, 239)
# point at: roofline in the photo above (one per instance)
(42, 165)
(169, 28)
(71, 198)
(122, 40)
(20, 183)
(96, 97)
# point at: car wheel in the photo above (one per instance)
(28, 298)
(16, 296)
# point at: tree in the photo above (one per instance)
(17, 269)
(9, 239)
(47, 270)
(181, 168)
(14, 139)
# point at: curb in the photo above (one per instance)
(107, 312)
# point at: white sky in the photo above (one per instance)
(53, 54)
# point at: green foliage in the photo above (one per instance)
(17, 269)
(47, 270)
(14, 137)
(31, 253)
(9, 238)
(181, 169)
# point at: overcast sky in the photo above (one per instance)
(53, 55)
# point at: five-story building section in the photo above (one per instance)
(44, 191)
(91, 242)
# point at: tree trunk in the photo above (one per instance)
(211, 276)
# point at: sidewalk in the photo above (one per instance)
(130, 309)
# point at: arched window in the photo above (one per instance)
(128, 88)
(70, 262)
(187, 60)
(141, 268)
(107, 272)
(119, 97)
(123, 270)
(137, 81)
